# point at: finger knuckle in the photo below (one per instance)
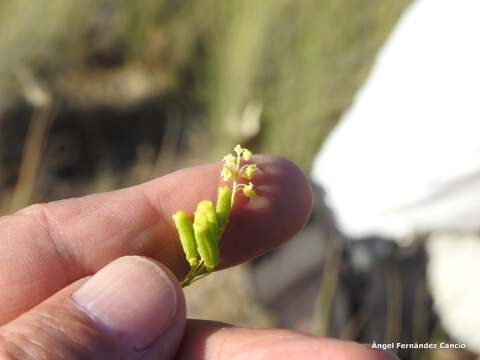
(47, 336)
(40, 217)
(19, 346)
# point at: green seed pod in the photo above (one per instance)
(224, 204)
(207, 208)
(206, 241)
(187, 239)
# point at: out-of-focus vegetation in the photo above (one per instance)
(272, 74)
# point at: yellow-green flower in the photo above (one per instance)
(227, 174)
(248, 191)
(230, 160)
(250, 171)
(238, 150)
(247, 154)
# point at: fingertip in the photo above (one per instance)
(208, 340)
(133, 307)
(136, 301)
(294, 186)
(281, 209)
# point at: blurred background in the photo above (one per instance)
(98, 95)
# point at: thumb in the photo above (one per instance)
(132, 308)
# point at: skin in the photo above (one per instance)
(49, 250)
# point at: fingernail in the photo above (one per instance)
(132, 299)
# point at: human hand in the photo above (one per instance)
(96, 277)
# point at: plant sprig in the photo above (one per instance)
(200, 239)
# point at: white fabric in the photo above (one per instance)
(453, 277)
(406, 157)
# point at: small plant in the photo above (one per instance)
(200, 239)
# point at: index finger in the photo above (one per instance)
(46, 247)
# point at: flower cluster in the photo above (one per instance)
(201, 237)
(233, 171)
